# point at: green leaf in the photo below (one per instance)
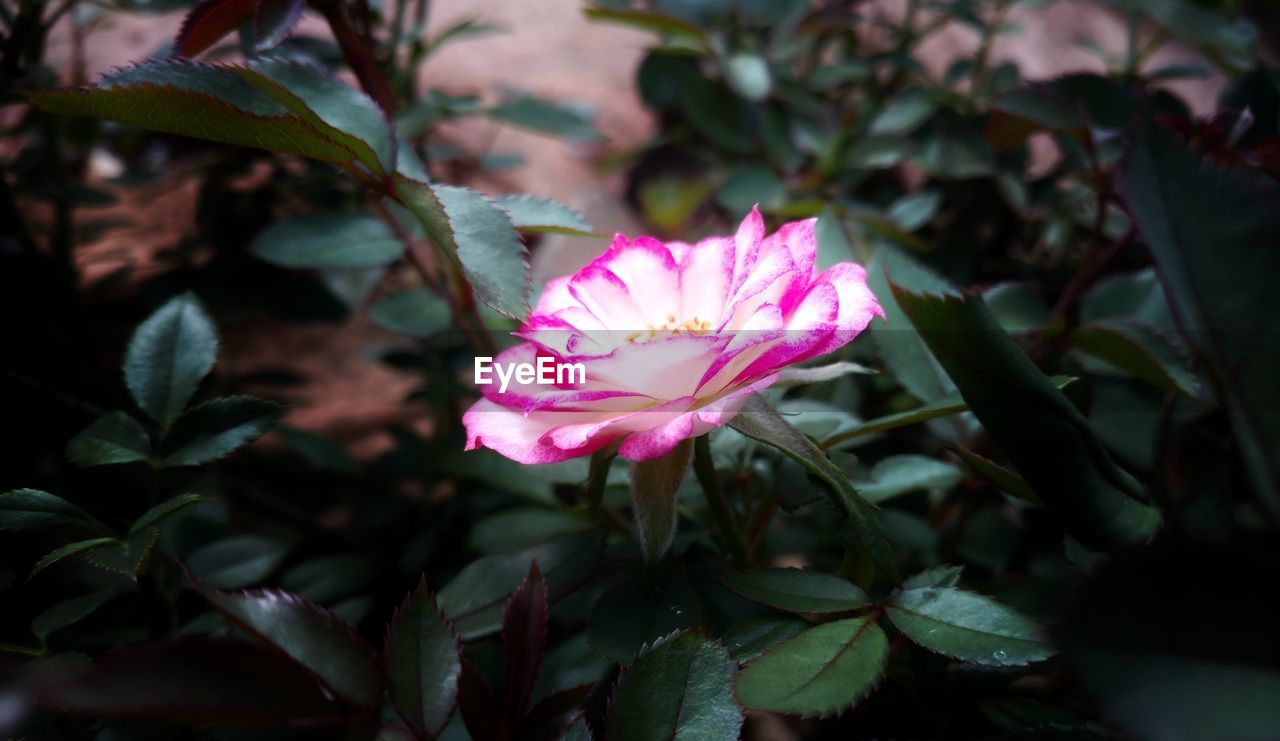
(1074, 105)
(474, 599)
(826, 77)
(168, 356)
(66, 551)
(879, 152)
(747, 186)
(333, 240)
(32, 509)
(329, 579)
(522, 527)
(157, 514)
(1018, 307)
(630, 616)
(536, 214)
(947, 405)
(905, 355)
(798, 590)
(901, 474)
(1140, 350)
(1039, 429)
(472, 232)
(717, 114)
(759, 421)
(748, 74)
(681, 689)
(934, 576)
(1173, 642)
(788, 377)
(113, 438)
(750, 637)
(533, 113)
(916, 210)
(655, 492)
(1226, 39)
(422, 663)
(69, 612)
(1137, 296)
(310, 635)
(196, 681)
(904, 114)
(466, 28)
(273, 22)
(645, 20)
(342, 112)
(128, 557)
(417, 313)
(216, 428)
(967, 626)
(819, 672)
(1216, 274)
(237, 561)
(1008, 481)
(216, 102)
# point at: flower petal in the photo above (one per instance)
(656, 442)
(706, 277)
(519, 437)
(607, 298)
(857, 304)
(650, 273)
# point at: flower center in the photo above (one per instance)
(671, 325)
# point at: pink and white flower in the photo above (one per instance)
(674, 338)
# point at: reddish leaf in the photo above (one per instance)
(524, 634)
(479, 710)
(422, 663)
(197, 680)
(310, 635)
(209, 21)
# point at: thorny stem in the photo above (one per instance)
(360, 58)
(456, 291)
(1088, 275)
(759, 522)
(704, 468)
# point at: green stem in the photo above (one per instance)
(704, 468)
(1132, 58)
(24, 650)
(597, 478)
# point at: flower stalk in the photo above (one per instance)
(704, 468)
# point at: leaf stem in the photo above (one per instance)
(704, 468)
(358, 55)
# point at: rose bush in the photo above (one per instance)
(1044, 511)
(674, 338)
